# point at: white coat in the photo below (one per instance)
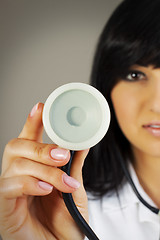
(125, 218)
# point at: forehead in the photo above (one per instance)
(149, 68)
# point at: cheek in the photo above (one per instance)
(125, 108)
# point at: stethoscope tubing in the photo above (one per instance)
(129, 179)
(73, 210)
(70, 204)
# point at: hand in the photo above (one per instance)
(31, 204)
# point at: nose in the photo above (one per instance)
(154, 97)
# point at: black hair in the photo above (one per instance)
(131, 36)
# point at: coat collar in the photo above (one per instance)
(127, 198)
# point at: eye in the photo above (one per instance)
(134, 75)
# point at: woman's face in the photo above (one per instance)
(136, 101)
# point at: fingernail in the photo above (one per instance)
(45, 186)
(71, 182)
(59, 153)
(34, 109)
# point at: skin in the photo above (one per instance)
(136, 101)
(28, 210)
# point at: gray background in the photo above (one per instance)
(44, 44)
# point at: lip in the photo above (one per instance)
(153, 128)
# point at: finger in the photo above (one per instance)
(77, 164)
(33, 128)
(48, 154)
(52, 175)
(19, 186)
(80, 196)
(76, 172)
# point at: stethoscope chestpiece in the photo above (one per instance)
(76, 116)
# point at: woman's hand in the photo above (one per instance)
(31, 204)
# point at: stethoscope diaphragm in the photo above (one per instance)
(76, 116)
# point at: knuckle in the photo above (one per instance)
(52, 175)
(39, 150)
(17, 165)
(24, 183)
(10, 145)
(42, 150)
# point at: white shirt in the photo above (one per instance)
(125, 218)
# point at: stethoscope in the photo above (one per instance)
(76, 116)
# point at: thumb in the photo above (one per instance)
(76, 170)
(79, 195)
(77, 164)
(33, 128)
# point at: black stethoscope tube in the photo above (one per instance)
(82, 224)
(126, 172)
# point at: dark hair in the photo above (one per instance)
(131, 36)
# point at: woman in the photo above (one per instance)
(126, 70)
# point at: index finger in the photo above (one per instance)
(33, 128)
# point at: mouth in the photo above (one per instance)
(153, 128)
